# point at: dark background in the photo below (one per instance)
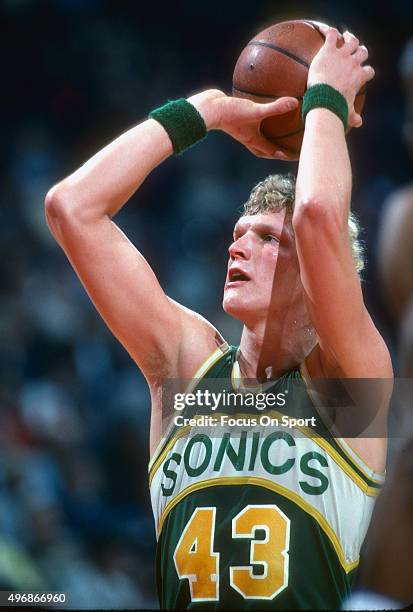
(74, 410)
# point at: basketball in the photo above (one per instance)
(275, 63)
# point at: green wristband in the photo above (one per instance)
(182, 122)
(325, 96)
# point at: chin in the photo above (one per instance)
(233, 306)
(229, 306)
(238, 309)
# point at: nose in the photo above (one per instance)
(240, 248)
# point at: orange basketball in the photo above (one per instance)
(275, 63)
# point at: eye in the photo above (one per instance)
(270, 238)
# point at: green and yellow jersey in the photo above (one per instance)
(258, 516)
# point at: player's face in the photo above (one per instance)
(263, 276)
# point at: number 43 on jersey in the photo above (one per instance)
(196, 560)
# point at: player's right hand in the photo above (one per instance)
(342, 67)
(241, 119)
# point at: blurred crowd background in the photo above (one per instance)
(74, 409)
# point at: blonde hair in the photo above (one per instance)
(277, 192)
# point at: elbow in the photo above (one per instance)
(57, 206)
(64, 209)
(314, 215)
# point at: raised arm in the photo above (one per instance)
(154, 329)
(350, 344)
(116, 276)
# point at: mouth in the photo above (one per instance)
(236, 278)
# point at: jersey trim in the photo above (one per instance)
(153, 469)
(348, 566)
(352, 456)
(207, 365)
(237, 380)
(371, 491)
(199, 374)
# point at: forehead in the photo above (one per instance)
(272, 221)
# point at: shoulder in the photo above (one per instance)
(200, 339)
(200, 344)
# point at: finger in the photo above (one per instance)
(355, 120)
(278, 107)
(369, 73)
(361, 54)
(325, 29)
(332, 35)
(350, 41)
(322, 27)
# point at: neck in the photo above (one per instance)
(268, 353)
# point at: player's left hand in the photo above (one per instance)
(340, 63)
(241, 119)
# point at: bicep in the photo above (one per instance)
(125, 291)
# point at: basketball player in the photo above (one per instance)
(248, 519)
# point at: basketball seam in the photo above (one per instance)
(280, 50)
(316, 28)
